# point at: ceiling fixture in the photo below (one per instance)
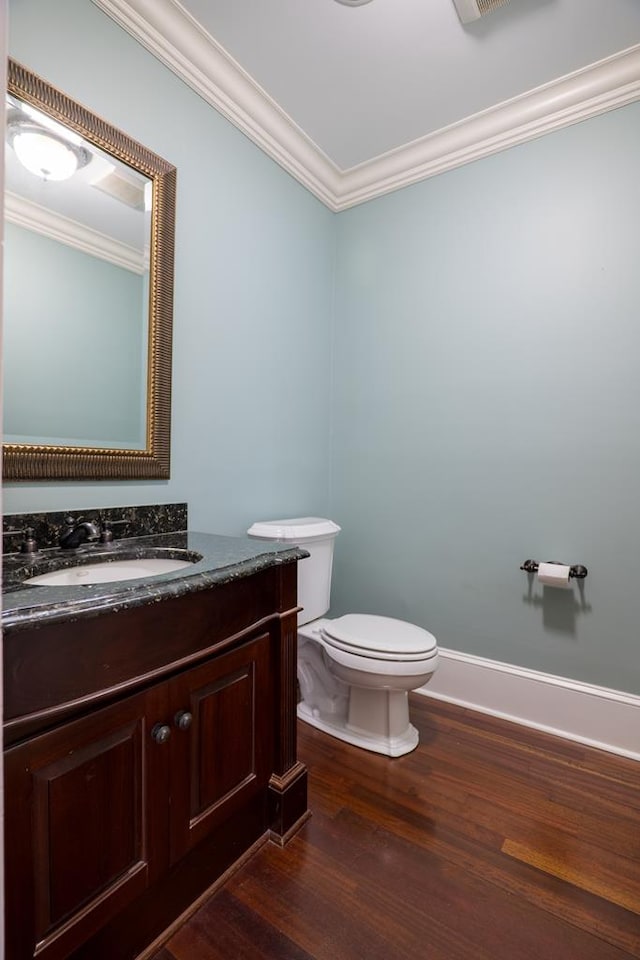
(353, 3)
(43, 152)
(469, 10)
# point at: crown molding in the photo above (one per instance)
(166, 29)
(602, 86)
(170, 33)
(55, 226)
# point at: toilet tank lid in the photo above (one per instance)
(296, 529)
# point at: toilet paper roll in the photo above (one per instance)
(554, 575)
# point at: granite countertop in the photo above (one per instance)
(222, 559)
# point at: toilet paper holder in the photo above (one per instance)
(576, 571)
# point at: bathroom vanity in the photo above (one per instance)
(150, 740)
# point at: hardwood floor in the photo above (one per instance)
(489, 842)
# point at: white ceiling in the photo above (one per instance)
(360, 81)
(355, 102)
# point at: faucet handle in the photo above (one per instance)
(29, 544)
(106, 533)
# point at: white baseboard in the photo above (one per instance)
(597, 716)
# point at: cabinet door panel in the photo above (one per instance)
(224, 758)
(78, 826)
(94, 796)
(225, 715)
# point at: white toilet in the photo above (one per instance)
(355, 671)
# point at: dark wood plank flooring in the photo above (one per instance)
(489, 842)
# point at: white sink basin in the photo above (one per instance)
(108, 572)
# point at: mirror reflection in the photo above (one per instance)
(88, 285)
(77, 237)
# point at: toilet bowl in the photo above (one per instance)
(354, 671)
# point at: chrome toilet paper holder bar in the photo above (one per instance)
(576, 571)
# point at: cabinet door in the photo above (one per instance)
(86, 809)
(223, 757)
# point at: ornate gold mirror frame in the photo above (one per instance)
(41, 462)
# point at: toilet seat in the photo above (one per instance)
(378, 638)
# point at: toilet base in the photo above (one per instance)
(336, 726)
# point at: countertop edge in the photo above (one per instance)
(78, 604)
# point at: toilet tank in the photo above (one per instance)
(315, 535)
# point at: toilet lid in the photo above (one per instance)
(382, 638)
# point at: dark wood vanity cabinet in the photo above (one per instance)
(85, 817)
(119, 814)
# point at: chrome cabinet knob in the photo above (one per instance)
(161, 732)
(183, 719)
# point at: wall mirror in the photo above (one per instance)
(88, 293)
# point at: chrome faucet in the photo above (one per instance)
(77, 532)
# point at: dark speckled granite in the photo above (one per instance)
(126, 522)
(222, 559)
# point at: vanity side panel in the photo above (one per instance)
(288, 783)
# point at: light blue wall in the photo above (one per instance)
(253, 287)
(487, 402)
(486, 399)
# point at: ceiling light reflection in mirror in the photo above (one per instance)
(43, 146)
(77, 238)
